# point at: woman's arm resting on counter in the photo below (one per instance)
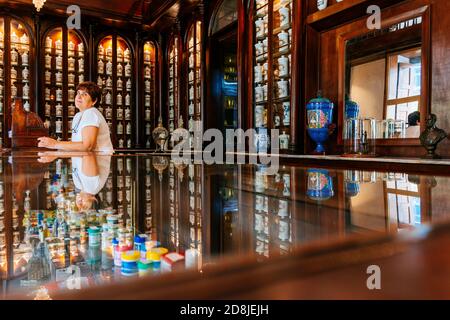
(89, 134)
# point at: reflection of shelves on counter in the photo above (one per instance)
(341, 12)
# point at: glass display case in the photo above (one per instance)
(115, 71)
(230, 91)
(16, 70)
(173, 85)
(272, 73)
(194, 81)
(64, 57)
(149, 80)
(68, 220)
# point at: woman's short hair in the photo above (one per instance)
(92, 89)
(413, 118)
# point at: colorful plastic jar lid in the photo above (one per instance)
(161, 251)
(131, 256)
(94, 230)
(145, 265)
(153, 256)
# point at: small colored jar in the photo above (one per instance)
(118, 254)
(130, 263)
(95, 237)
(144, 267)
(149, 245)
(155, 258)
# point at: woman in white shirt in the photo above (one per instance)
(90, 132)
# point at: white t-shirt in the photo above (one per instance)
(90, 184)
(92, 117)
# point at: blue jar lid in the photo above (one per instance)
(319, 99)
(115, 241)
(138, 239)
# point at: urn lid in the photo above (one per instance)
(320, 99)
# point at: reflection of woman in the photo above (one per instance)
(89, 173)
(90, 132)
(413, 130)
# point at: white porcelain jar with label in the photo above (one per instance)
(258, 74)
(119, 99)
(25, 74)
(109, 68)
(71, 47)
(128, 70)
(26, 91)
(147, 101)
(1, 56)
(71, 110)
(58, 44)
(1, 90)
(108, 112)
(283, 233)
(47, 94)
(14, 57)
(171, 113)
(191, 109)
(120, 146)
(259, 48)
(80, 50)
(287, 185)
(148, 130)
(48, 110)
(285, 17)
(283, 88)
(48, 43)
(119, 113)
(71, 79)
(283, 66)
(59, 110)
(127, 100)
(129, 85)
(58, 126)
(25, 59)
(120, 128)
(100, 67)
(99, 81)
(147, 114)
(129, 145)
(58, 77)
(259, 93)
(81, 65)
(265, 71)
(119, 53)
(276, 120)
(119, 70)
(80, 78)
(59, 63)
(109, 51)
(59, 94)
(127, 54)
(283, 41)
(127, 114)
(108, 98)
(147, 72)
(71, 64)
(109, 82)
(284, 141)
(48, 61)
(119, 84)
(128, 128)
(259, 114)
(259, 27)
(191, 92)
(322, 4)
(71, 95)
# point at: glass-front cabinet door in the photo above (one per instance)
(194, 81)
(16, 70)
(272, 72)
(174, 60)
(115, 77)
(149, 90)
(64, 60)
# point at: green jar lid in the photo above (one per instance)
(94, 229)
(145, 264)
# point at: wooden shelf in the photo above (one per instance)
(342, 12)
